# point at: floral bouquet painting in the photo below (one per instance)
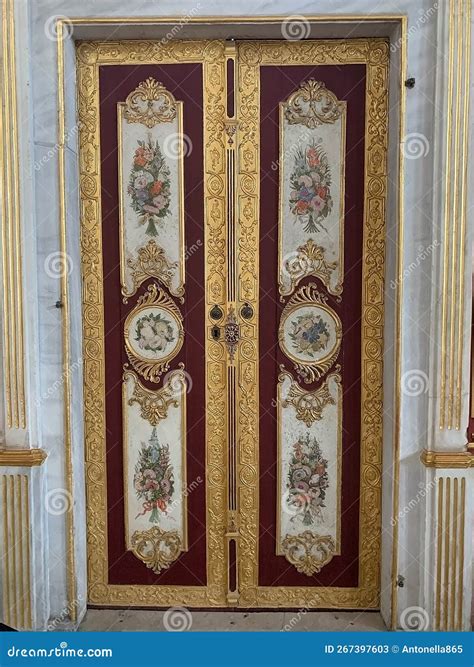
(153, 479)
(153, 332)
(310, 197)
(307, 480)
(309, 334)
(149, 185)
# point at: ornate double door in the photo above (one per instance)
(232, 228)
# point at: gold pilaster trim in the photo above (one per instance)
(434, 459)
(13, 352)
(16, 568)
(450, 527)
(454, 207)
(22, 458)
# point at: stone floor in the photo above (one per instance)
(101, 620)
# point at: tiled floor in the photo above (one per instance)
(99, 620)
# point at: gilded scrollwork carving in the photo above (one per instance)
(309, 405)
(154, 405)
(308, 552)
(150, 103)
(151, 262)
(157, 548)
(312, 105)
(309, 260)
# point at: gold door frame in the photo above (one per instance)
(90, 56)
(374, 53)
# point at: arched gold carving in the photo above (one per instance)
(312, 105)
(151, 262)
(309, 296)
(150, 104)
(157, 548)
(308, 552)
(154, 404)
(152, 369)
(309, 405)
(309, 260)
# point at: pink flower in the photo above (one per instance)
(159, 201)
(317, 203)
(307, 181)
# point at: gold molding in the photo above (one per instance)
(375, 54)
(450, 529)
(13, 334)
(91, 55)
(22, 458)
(438, 459)
(146, 95)
(16, 562)
(312, 105)
(455, 212)
(308, 552)
(165, 547)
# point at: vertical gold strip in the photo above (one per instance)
(27, 537)
(460, 598)
(65, 318)
(463, 196)
(446, 536)
(11, 233)
(6, 558)
(439, 553)
(398, 326)
(452, 309)
(454, 555)
(11, 511)
(19, 537)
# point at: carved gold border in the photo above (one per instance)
(294, 282)
(446, 459)
(179, 290)
(22, 458)
(91, 55)
(282, 405)
(166, 392)
(374, 53)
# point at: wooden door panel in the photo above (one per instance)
(312, 145)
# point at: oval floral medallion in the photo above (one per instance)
(153, 334)
(310, 333)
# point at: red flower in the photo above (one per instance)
(301, 207)
(322, 191)
(156, 188)
(312, 157)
